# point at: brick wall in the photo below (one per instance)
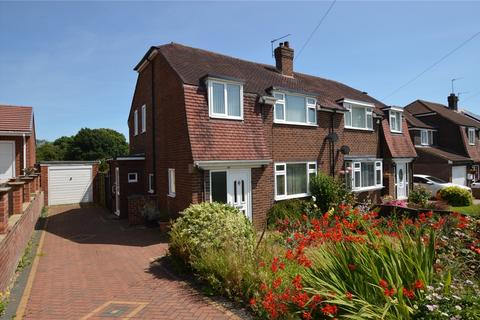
(15, 241)
(136, 203)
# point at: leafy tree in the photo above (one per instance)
(63, 145)
(47, 151)
(95, 144)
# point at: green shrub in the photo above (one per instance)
(456, 196)
(328, 191)
(287, 209)
(419, 195)
(210, 226)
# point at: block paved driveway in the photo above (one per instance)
(95, 267)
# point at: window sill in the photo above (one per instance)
(151, 191)
(223, 117)
(132, 181)
(292, 196)
(471, 144)
(172, 195)
(296, 123)
(395, 131)
(368, 189)
(360, 129)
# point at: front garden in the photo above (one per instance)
(343, 262)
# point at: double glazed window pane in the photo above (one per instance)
(368, 174)
(233, 99)
(280, 185)
(296, 178)
(279, 114)
(358, 117)
(295, 109)
(218, 98)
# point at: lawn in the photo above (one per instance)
(473, 210)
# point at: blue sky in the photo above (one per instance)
(72, 61)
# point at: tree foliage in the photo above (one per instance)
(87, 144)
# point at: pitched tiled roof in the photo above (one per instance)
(473, 151)
(444, 111)
(16, 118)
(399, 144)
(415, 122)
(440, 153)
(193, 64)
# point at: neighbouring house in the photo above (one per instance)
(17, 141)
(446, 140)
(209, 127)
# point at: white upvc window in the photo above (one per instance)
(364, 175)
(150, 183)
(471, 136)
(132, 177)
(426, 137)
(171, 182)
(358, 115)
(292, 179)
(144, 118)
(295, 109)
(395, 121)
(225, 99)
(135, 122)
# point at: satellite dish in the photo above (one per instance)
(345, 149)
(333, 136)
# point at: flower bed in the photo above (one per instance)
(352, 264)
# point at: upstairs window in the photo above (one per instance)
(292, 180)
(171, 182)
(471, 136)
(426, 137)
(144, 118)
(135, 122)
(364, 175)
(295, 109)
(395, 121)
(225, 100)
(358, 116)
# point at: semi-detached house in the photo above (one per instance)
(209, 127)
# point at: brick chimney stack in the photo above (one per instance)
(453, 102)
(284, 59)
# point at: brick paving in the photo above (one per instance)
(94, 267)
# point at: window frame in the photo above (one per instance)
(144, 118)
(368, 109)
(471, 135)
(356, 166)
(428, 135)
(283, 102)
(135, 122)
(132, 180)
(224, 83)
(284, 174)
(150, 183)
(393, 115)
(171, 183)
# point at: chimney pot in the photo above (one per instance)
(284, 58)
(453, 102)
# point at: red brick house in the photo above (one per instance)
(209, 127)
(446, 140)
(17, 141)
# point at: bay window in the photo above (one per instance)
(364, 175)
(292, 180)
(225, 99)
(295, 109)
(358, 116)
(395, 121)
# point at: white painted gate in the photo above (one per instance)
(70, 184)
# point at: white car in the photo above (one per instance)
(434, 184)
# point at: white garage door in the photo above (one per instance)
(459, 175)
(69, 184)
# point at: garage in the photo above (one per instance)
(459, 175)
(69, 182)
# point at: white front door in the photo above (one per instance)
(232, 186)
(238, 186)
(459, 175)
(401, 179)
(7, 160)
(116, 190)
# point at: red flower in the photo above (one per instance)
(253, 302)
(330, 310)
(261, 264)
(317, 298)
(408, 293)
(383, 283)
(263, 287)
(289, 255)
(389, 292)
(352, 267)
(277, 282)
(282, 265)
(306, 315)
(349, 295)
(418, 284)
(297, 282)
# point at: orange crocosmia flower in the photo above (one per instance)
(349, 295)
(418, 284)
(383, 283)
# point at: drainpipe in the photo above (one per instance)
(154, 151)
(24, 155)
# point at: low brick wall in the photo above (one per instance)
(13, 244)
(136, 204)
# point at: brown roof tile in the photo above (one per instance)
(193, 64)
(446, 155)
(399, 144)
(16, 118)
(415, 122)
